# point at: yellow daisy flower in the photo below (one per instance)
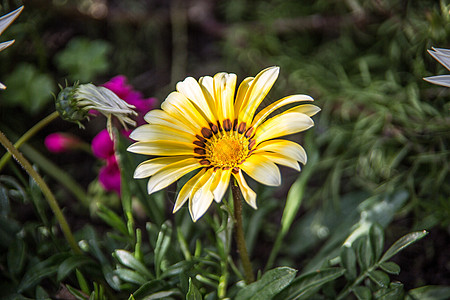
(204, 125)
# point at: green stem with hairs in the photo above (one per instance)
(32, 131)
(239, 233)
(51, 200)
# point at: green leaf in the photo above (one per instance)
(28, 88)
(394, 292)
(79, 295)
(376, 236)
(390, 267)
(149, 288)
(429, 292)
(16, 256)
(270, 284)
(130, 276)
(193, 292)
(162, 245)
(112, 219)
(82, 282)
(128, 260)
(348, 261)
(362, 293)
(380, 278)
(365, 253)
(300, 287)
(70, 264)
(84, 59)
(402, 243)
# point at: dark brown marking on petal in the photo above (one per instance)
(227, 125)
(226, 168)
(200, 144)
(219, 126)
(200, 157)
(235, 123)
(242, 127)
(235, 170)
(206, 132)
(249, 132)
(216, 168)
(250, 152)
(200, 151)
(251, 144)
(214, 128)
(200, 138)
(205, 162)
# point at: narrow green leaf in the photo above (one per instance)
(149, 288)
(270, 284)
(16, 256)
(70, 264)
(162, 245)
(127, 259)
(112, 219)
(82, 282)
(79, 295)
(193, 292)
(429, 292)
(364, 253)
(394, 292)
(362, 293)
(348, 261)
(390, 267)
(299, 287)
(402, 243)
(380, 278)
(130, 276)
(41, 293)
(376, 236)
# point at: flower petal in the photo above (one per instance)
(162, 148)
(220, 184)
(201, 196)
(284, 147)
(307, 109)
(224, 87)
(152, 132)
(177, 105)
(191, 89)
(186, 190)
(160, 117)
(240, 96)
(247, 192)
(262, 170)
(256, 93)
(264, 113)
(151, 166)
(281, 125)
(171, 173)
(279, 159)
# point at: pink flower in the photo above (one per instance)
(109, 176)
(102, 145)
(61, 142)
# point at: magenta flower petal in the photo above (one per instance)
(109, 177)
(61, 142)
(102, 145)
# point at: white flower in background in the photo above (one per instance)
(5, 21)
(75, 103)
(442, 56)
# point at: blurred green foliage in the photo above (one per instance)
(378, 163)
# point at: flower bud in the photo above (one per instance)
(61, 142)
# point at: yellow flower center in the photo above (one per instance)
(226, 151)
(224, 146)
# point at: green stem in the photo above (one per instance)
(239, 234)
(45, 190)
(32, 131)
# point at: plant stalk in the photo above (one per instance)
(239, 233)
(25, 164)
(27, 135)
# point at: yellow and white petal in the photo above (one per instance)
(160, 117)
(150, 132)
(191, 89)
(201, 196)
(178, 105)
(247, 192)
(220, 184)
(207, 85)
(186, 190)
(258, 90)
(264, 113)
(307, 109)
(281, 125)
(262, 170)
(224, 87)
(240, 96)
(279, 159)
(171, 173)
(162, 148)
(151, 166)
(285, 147)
